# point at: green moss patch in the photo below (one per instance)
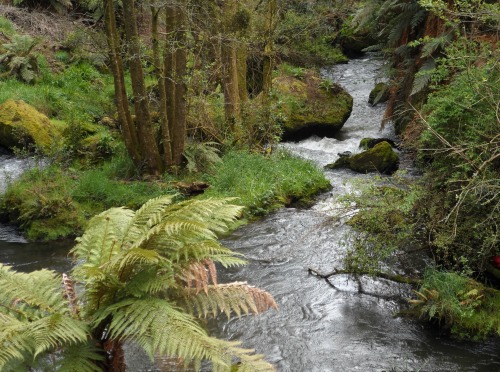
(310, 105)
(21, 124)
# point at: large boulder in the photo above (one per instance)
(381, 158)
(22, 125)
(310, 105)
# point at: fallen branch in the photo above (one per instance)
(378, 274)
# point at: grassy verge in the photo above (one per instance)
(54, 203)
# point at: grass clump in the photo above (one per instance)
(463, 305)
(40, 202)
(263, 184)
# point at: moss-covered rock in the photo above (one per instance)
(22, 125)
(310, 106)
(368, 143)
(379, 94)
(381, 158)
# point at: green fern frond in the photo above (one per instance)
(81, 357)
(170, 331)
(14, 346)
(216, 214)
(150, 281)
(238, 298)
(103, 236)
(147, 216)
(54, 331)
(40, 290)
(134, 257)
(423, 76)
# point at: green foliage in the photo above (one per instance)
(201, 156)
(139, 271)
(41, 203)
(265, 183)
(18, 58)
(461, 151)
(306, 36)
(384, 222)
(78, 93)
(466, 307)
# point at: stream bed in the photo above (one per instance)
(317, 328)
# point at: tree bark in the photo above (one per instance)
(148, 145)
(160, 75)
(179, 125)
(124, 117)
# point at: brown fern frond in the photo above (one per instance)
(199, 274)
(237, 297)
(69, 294)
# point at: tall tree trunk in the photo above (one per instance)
(148, 145)
(229, 64)
(160, 74)
(179, 126)
(169, 68)
(269, 48)
(124, 117)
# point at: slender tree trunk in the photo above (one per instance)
(160, 74)
(179, 126)
(124, 117)
(269, 48)
(229, 64)
(148, 145)
(169, 68)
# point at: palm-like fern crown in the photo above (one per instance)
(147, 276)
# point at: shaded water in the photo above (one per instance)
(317, 327)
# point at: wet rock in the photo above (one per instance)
(381, 158)
(368, 143)
(310, 106)
(344, 154)
(21, 125)
(379, 94)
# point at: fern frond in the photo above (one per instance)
(148, 215)
(103, 237)
(238, 298)
(54, 331)
(423, 76)
(199, 274)
(131, 258)
(150, 281)
(160, 329)
(216, 214)
(81, 357)
(14, 345)
(39, 290)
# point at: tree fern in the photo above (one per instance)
(146, 276)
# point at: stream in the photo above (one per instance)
(317, 328)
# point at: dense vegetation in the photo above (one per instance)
(148, 100)
(444, 99)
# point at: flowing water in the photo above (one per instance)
(317, 327)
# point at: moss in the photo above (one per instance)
(466, 307)
(379, 94)
(21, 125)
(310, 106)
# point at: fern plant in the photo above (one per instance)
(18, 58)
(146, 277)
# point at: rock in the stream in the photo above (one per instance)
(379, 94)
(310, 106)
(381, 158)
(368, 143)
(21, 124)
